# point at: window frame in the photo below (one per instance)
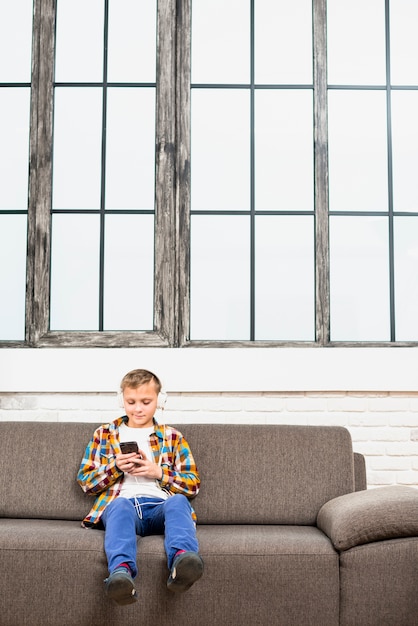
(172, 195)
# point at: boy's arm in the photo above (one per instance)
(182, 476)
(98, 468)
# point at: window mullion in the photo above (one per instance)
(183, 60)
(40, 173)
(321, 173)
(165, 197)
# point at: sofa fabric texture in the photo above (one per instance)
(285, 537)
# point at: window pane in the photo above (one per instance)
(356, 42)
(221, 41)
(406, 278)
(15, 41)
(77, 148)
(405, 150)
(357, 151)
(12, 276)
(75, 272)
(130, 162)
(285, 306)
(132, 41)
(359, 279)
(14, 148)
(220, 149)
(283, 41)
(284, 150)
(404, 42)
(79, 41)
(220, 277)
(129, 270)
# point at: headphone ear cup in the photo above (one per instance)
(162, 399)
(120, 400)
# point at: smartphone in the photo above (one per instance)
(128, 446)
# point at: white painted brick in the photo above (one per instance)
(391, 403)
(285, 418)
(379, 434)
(381, 478)
(394, 463)
(368, 419)
(408, 419)
(414, 434)
(405, 448)
(414, 462)
(12, 402)
(347, 404)
(407, 478)
(306, 404)
(325, 419)
(370, 448)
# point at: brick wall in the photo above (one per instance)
(383, 426)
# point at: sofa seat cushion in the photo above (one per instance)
(373, 515)
(257, 574)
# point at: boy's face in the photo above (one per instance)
(140, 404)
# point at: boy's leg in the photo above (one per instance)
(120, 520)
(180, 529)
(180, 542)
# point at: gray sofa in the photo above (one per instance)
(287, 530)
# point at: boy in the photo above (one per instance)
(144, 492)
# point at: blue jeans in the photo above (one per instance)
(124, 519)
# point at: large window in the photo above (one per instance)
(208, 173)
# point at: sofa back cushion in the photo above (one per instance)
(269, 474)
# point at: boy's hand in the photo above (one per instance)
(137, 464)
(125, 462)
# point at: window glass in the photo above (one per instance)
(283, 41)
(359, 279)
(404, 42)
(284, 150)
(14, 148)
(77, 148)
(132, 41)
(13, 230)
(405, 150)
(130, 148)
(357, 150)
(356, 42)
(15, 41)
(221, 41)
(220, 277)
(129, 272)
(75, 272)
(284, 281)
(406, 278)
(79, 41)
(220, 149)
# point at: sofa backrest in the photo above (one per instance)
(269, 474)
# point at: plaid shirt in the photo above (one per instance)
(99, 476)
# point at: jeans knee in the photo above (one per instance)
(178, 501)
(118, 505)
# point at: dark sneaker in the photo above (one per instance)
(186, 569)
(120, 586)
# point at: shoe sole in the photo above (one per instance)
(122, 591)
(188, 569)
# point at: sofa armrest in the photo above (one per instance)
(372, 515)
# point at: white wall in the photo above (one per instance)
(373, 392)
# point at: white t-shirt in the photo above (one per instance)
(136, 486)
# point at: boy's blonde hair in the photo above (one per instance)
(135, 378)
